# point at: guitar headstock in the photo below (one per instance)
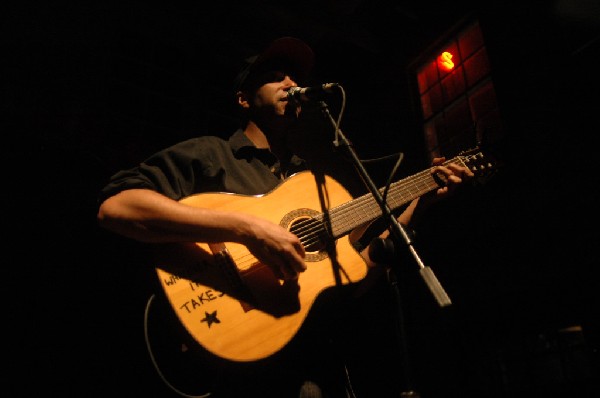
(482, 165)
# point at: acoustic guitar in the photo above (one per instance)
(233, 305)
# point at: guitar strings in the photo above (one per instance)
(422, 181)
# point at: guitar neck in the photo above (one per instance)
(364, 209)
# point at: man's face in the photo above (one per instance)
(271, 95)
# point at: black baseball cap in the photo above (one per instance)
(289, 54)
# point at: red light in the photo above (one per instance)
(445, 60)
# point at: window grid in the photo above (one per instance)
(458, 104)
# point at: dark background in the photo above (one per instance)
(91, 89)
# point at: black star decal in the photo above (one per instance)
(210, 318)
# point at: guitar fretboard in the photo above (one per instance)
(364, 209)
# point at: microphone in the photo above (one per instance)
(305, 94)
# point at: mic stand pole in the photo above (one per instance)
(398, 233)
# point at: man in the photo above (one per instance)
(146, 203)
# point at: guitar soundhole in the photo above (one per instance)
(306, 224)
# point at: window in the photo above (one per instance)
(457, 98)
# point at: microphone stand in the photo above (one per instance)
(398, 234)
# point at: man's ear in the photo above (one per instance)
(242, 99)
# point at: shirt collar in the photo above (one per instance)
(239, 141)
(242, 147)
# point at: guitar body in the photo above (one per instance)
(235, 306)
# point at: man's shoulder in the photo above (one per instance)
(206, 139)
(201, 141)
(204, 145)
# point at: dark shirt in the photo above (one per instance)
(206, 164)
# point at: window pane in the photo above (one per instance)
(477, 67)
(485, 113)
(470, 41)
(427, 76)
(431, 101)
(459, 132)
(453, 85)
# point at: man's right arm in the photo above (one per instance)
(148, 216)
